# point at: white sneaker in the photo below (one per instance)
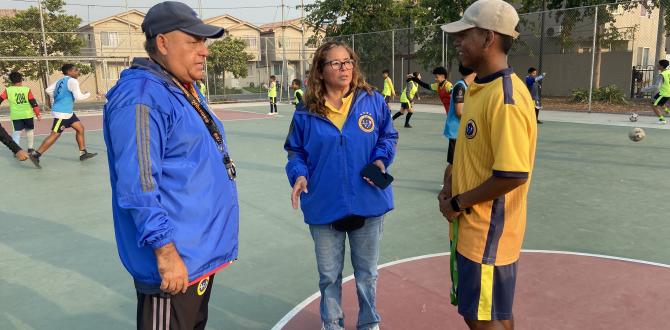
(270, 113)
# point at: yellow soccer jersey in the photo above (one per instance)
(497, 137)
(446, 85)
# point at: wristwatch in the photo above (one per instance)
(455, 204)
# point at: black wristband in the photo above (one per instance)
(455, 204)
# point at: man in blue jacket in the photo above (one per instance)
(174, 197)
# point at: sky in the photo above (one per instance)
(254, 11)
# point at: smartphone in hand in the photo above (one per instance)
(375, 174)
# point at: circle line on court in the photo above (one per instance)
(302, 305)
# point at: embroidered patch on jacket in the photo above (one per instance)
(366, 123)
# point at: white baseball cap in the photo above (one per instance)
(494, 15)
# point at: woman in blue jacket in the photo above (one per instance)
(342, 126)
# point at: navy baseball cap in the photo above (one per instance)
(171, 15)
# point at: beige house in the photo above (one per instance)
(118, 37)
(287, 42)
(251, 35)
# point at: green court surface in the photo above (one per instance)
(593, 191)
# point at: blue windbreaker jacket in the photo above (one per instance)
(332, 160)
(169, 183)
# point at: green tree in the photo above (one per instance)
(26, 40)
(429, 15)
(345, 17)
(229, 55)
(365, 19)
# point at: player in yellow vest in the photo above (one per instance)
(663, 95)
(272, 95)
(485, 190)
(389, 91)
(298, 93)
(407, 98)
(22, 109)
(202, 87)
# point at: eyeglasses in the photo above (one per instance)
(339, 65)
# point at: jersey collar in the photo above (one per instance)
(494, 76)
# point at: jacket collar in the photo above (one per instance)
(150, 66)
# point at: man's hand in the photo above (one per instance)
(445, 208)
(21, 155)
(172, 270)
(381, 166)
(299, 187)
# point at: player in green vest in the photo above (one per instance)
(22, 109)
(407, 98)
(388, 92)
(663, 95)
(202, 87)
(272, 94)
(298, 94)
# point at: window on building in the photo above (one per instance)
(277, 68)
(644, 12)
(109, 39)
(250, 42)
(642, 56)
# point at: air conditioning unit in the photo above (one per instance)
(553, 31)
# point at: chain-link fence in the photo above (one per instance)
(561, 43)
(580, 49)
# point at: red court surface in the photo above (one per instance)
(554, 291)
(93, 122)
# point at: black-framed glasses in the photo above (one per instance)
(339, 65)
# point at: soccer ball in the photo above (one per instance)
(633, 117)
(636, 134)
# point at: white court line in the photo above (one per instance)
(100, 129)
(290, 315)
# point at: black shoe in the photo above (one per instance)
(31, 150)
(408, 126)
(539, 122)
(87, 155)
(35, 159)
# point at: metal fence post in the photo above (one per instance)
(444, 47)
(393, 56)
(593, 57)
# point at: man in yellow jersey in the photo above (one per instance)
(22, 109)
(484, 196)
(663, 91)
(389, 91)
(272, 95)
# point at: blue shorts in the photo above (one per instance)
(485, 292)
(60, 125)
(21, 124)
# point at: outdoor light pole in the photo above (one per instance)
(46, 61)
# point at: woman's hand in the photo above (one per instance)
(381, 166)
(299, 187)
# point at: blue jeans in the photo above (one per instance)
(329, 248)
